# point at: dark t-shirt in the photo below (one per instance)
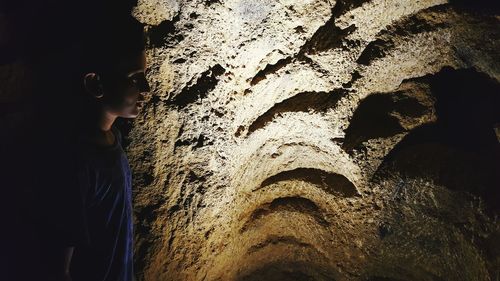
(105, 180)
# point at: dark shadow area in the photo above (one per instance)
(163, 34)
(200, 88)
(302, 102)
(285, 204)
(481, 6)
(372, 119)
(282, 240)
(327, 37)
(460, 150)
(291, 270)
(376, 278)
(331, 183)
(269, 69)
(409, 26)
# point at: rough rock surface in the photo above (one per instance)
(318, 140)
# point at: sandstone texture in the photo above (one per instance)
(318, 140)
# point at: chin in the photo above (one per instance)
(131, 115)
(135, 112)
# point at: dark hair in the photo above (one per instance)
(108, 40)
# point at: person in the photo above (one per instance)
(66, 200)
(114, 86)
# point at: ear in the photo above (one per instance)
(93, 85)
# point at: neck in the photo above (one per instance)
(97, 126)
(105, 121)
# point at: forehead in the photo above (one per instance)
(132, 63)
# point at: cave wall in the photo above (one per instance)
(318, 140)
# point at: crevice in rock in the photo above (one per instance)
(372, 119)
(274, 274)
(302, 102)
(195, 142)
(327, 37)
(289, 274)
(378, 278)
(270, 68)
(355, 76)
(459, 150)
(331, 183)
(343, 6)
(375, 50)
(273, 240)
(210, 2)
(199, 90)
(289, 270)
(415, 24)
(288, 204)
(164, 34)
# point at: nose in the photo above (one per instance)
(143, 85)
(144, 89)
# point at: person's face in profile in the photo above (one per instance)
(121, 90)
(125, 89)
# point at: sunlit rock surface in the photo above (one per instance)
(318, 140)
